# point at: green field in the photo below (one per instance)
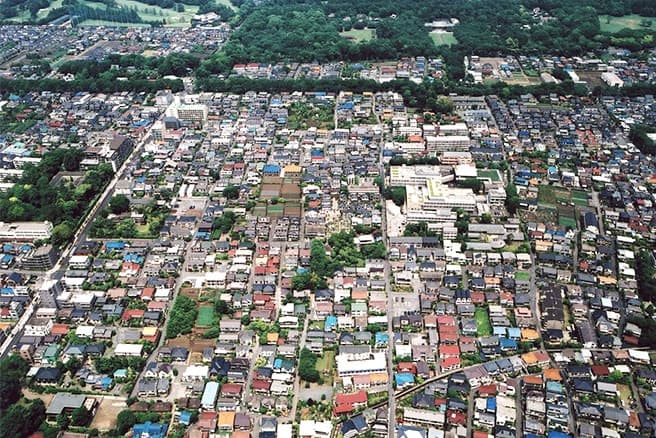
(567, 222)
(492, 175)
(359, 35)
(615, 24)
(443, 38)
(553, 195)
(483, 322)
(580, 198)
(42, 13)
(522, 275)
(146, 12)
(205, 316)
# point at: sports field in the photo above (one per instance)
(443, 38)
(612, 24)
(205, 316)
(358, 35)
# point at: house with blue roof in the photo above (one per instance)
(491, 404)
(114, 245)
(149, 430)
(381, 339)
(404, 379)
(121, 373)
(185, 418)
(507, 344)
(557, 434)
(514, 333)
(330, 324)
(271, 170)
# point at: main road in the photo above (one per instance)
(80, 235)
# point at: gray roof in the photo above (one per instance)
(63, 400)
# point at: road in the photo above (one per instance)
(391, 422)
(80, 235)
(297, 380)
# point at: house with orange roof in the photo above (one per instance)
(226, 422)
(59, 329)
(552, 374)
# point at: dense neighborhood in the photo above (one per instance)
(387, 227)
(321, 264)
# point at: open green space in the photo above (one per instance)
(580, 198)
(325, 361)
(145, 12)
(522, 275)
(359, 35)
(491, 174)
(443, 38)
(567, 222)
(553, 195)
(43, 13)
(483, 322)
(612, 24)
(205, 316)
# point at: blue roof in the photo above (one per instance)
(7, 258)
(114, 245)
(499, 331)
(150, 430)
(554, 387)
(514, 332)
(382, 338)
(6, 290)
(271, 168)
(402, 379)
(491, 404)
(185, 418)
(331, 321)
(556, 434)
(507, 343)
(121, 373)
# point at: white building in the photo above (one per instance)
(436, 196)
(351, 365)
(25, 231)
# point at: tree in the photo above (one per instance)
(125, 420)
(471, 183)
(81, 417)
(12, 371)
(62, 233)
(22, 419)
(231, 192)
(486, 218)
(307, 366)
(119, 204)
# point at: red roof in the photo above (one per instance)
(129, 314)
(455, 417)
(487, 390)
(231, 388)
(352, 398)
(600, 370)
(450, 362)
(261, 384)
(343, 409)
(449, 350)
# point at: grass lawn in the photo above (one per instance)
(443, 38)
(205, 316)
(146, 12)
(483, 321)
(42, 13)
(224, 3)
(358, 35)
(625, 395)
(325, 361)
(580, 198)
(316, 325)
(522, 275)
(553, 195)
(567, 222)
(492, 174)
(615, 24)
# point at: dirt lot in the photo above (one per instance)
(108, 410)
(46, 398)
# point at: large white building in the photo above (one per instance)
(436, 196)
(441, 143)
(25, 231)
(404, 175)
(352, 364)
